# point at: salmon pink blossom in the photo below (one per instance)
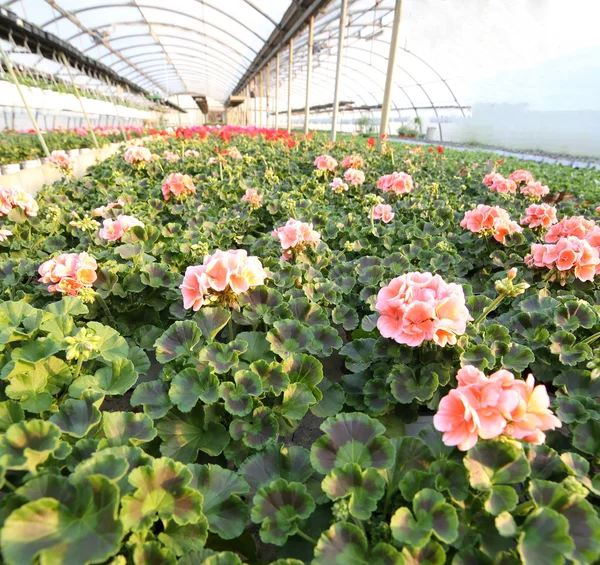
(296, 237)
(253, 197)
(325, 163)
(535, 190)
(178, 184)
(398, 183)
(490, 221)
(221, 277)
(69, 273)
(338, 185)
(62, 161)
(503, 186)
(539, 215)
(487, 407)
(383, 212)
(576, 226)
(191, 153)
(17, 197)
(355, 177)
(418, 307)
(492, 177)
(234, 153)
(170, 156)
(137, 155)
(521, 176)
(114, 230)
(4, 235)
(353, 162)
(102, 210)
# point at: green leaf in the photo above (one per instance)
(545, 538)
(506, 525)
(162, 492)
(413, 481)
(111, 346)
(479, 356)
(191, 385)
(256, 431)
(184, 435)
(586, 437)
(28, 444)
(345, 316)
(496, 463)
(225, 511)
(183, 540)
(153, 553)
(325, 339)
(289, 337)
(153, 397)
(112, 466)
(359, 354)
(363, 489)
(411, 453)
(297, 399)
(77, 417)
(11, 412)
(238, 395)
(37, 350)
(568, 349)
(332, 401)
(222, 356)
(278, 508)
(126, 428)
(178, 341)
(518, 358)
(211, 321)
(30, 389)
(86, 531)
(501, 498)
(272, 375)
(431, 554)
(258, 346)
(574, 314)
(304, 369)
(114, 380)
(405, 387)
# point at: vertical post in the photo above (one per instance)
(87, 119)
(121, 127)
(389, 77)
(277, 92)
(291, 64)
(260, 95)
(246, 107)
(255, 103)
(311, 24)
(338, 71)
(267, 81)
(13, 77)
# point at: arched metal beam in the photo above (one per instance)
(192, 73)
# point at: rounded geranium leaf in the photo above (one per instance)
(430, 554)
(325, 340)
(363, 489)
(413, 481)
(258, 346)
(376, 396)
(452, 477)
(256, 431)
(157, 275)
(352, 438)
(134, 457)
(276, 461)
(191, 385)
(49, 486)
(569, 410)
(480, 356)
(222, 356)
(578, 383)
(359, 354)
(332, 401)
(405, 386)
(259, 303)
(77, 417)
(495, 463)
(575, 464)
(211, 321)
(518, 358)
(506, 525)
(224, 509)
(116, 379)
(545, 463)
(30, 389)
(289, 337)
(345, 316)
(27, 444)
(272, 375)
(586, 437)
(112, 466)
(35, 351)
(306, 311)
(153, 553)
(279, 507)
(545, 538)
(178, 341)
(146, 336)
(297, 398)
(153, 397)
(304, 369)
(501, 498)
(574, 314)
(162, 492)
(183, 435)
(569, 349)
(11, 412)
(238, 395)
(182, 540)
(126, 428)
(111, 346)
(85, 531)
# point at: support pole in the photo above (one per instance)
(260, 95)
(13, 77)
(87, 119)
(117, 112)
(277, 92)
(289, 109)
(311, 24)
(267, 81)
(389, 78)
(255, 104)
(246, 107)
(338, 71)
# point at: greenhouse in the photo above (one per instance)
(290, 282)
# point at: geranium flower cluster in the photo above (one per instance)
(17, 197)
(353, 162)
(253, 197)
(221, 277)
(325, 163)
(191, 153)
(383, 212)
(296, 237)
(338, 185)
(539, 215)
(517, 179)
(61, 161)
(354, 176)
(488, 407)
(490, 221)
(418, 307)
(571, 226)
(398, 183)
(233, 153)
(178, 184)
(170, 156)
(137, 155)
(113, 230)
(102, 210)
(535, 190)
(69, 273)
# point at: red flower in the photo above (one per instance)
(291, 143)
(440, 149)
(430, 150)
(371, 142)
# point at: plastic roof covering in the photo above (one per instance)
(452, 52)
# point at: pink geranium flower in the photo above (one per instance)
(170, 156)
(576, 226)
(490, 221)
(114, 230)
(353, 162)
(521, 176)
(296, 237)
(191, 153)
(62, 161)
(503, 186)
(398, 183)
(482, 407)
(233, 153)
(539, 215)
(69, 273)
(325, 163)
(492, 177)
(221, 277)
(178, 184)
(137, 155)
(17, 197)
(102, 210)
(253, 197)
(383, 212)
(418, 307)
(4, 235)
(354, 176)
(535, 190)
(338, 185)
